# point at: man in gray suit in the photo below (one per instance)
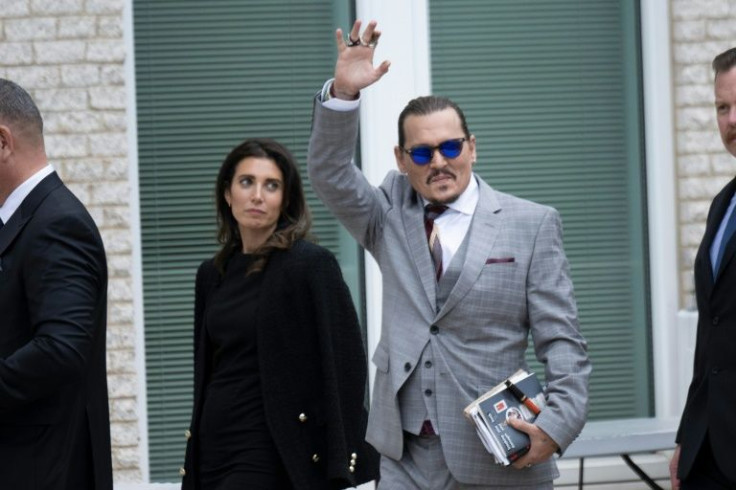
(456, 318)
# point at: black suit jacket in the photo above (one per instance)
(311, 361)
(54, 421)
(711, 400)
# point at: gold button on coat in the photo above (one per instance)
(315, 458)
(187, 434)
(302, 417)
(182, 471)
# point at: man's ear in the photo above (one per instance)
(399, 155)
(7, 142)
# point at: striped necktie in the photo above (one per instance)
(431, 212)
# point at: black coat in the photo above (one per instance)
(312, 365)
(54, 421)
(711, 399)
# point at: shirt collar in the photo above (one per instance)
(16, 197)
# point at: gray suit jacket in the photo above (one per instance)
(480, 334)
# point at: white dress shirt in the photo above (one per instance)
(453, 224)
(19, 193)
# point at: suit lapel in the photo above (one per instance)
(484, 229)
(728, 253)
(727, 256)
(416, 238)
(720, 204)
(25, 211)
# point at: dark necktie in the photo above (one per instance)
(1, 224)
(727, 233)
(431, 212)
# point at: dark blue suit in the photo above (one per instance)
(711, 400)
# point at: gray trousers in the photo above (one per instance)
(423, 467)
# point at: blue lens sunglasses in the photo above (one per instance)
(423, 154)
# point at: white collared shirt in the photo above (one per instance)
(335, 104)
(454, 223)
(16, 197)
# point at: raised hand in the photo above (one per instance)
(354, 68)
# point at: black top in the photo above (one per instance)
(233, 419)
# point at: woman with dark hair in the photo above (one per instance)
(279, 362)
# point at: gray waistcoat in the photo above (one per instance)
(416, 397)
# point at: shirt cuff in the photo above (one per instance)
(335, 104)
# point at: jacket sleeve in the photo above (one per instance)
(64, 276)
(340, 184)
(557, 340)
(205, 281)
(206, 278)
(344, 368)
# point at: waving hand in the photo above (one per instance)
(354, 68)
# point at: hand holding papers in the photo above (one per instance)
(519, 396)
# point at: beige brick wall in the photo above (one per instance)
(69, 55)
(700, 30)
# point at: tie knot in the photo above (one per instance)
(432, 211)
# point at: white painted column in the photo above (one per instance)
(404, 27)
(135, 240)
(661, 205)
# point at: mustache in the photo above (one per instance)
(437, 173)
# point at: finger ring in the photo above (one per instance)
(371, 44)
(350, 42)
(529, 465)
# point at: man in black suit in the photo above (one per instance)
(705, 454)
(54, 421)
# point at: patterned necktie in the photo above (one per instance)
(431, 212)
(727, 233)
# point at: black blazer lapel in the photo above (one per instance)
(24, 213)
(727, 256)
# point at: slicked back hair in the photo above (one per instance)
(429, 104)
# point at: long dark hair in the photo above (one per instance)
(294, 221)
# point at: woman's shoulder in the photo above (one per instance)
(307, 255)
(207, 266)
(207, 272)
(305, 248)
